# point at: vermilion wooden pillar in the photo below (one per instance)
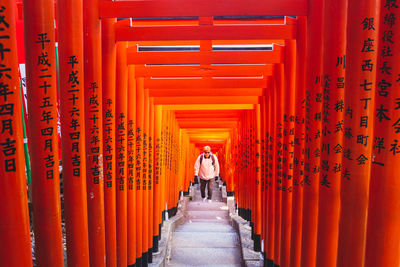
(313, 105)
(15, 248)
(131, 183)
(121, 113)
(264, 166)
(157, 183)
(139, 162)
(333, 84)
(108, 78)
(298, 162)
(272, 173)
(43, 138)
(70, 34)
(383, 232)
(358, 139)
(151, 178)
(288, 149)
(258, 204)
(145, 178)
(94, 132)
(280, 105)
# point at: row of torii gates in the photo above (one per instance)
(298, 99)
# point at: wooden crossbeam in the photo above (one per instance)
(204, 57)
(208, 32)
(194, 92)
(204, 83)
(205, 114)
(188, 100)
(201, 107)
(206, 124)
(201, 8)
(204, 71)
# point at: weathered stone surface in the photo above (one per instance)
(206, 238)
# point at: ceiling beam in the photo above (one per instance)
(186, 100)
(210, 92)
(203, 71)
(204, 83)
(205, 57)
(208, 124)
(205, 32)
(200, 107)
(201, 8)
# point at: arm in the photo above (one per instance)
(197, 166)
(216, 166)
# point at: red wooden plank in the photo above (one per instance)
(203, 8)
(204, 57)
(203, 71)
(204, 83)
(209, 32)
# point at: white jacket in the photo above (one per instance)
(207, 170)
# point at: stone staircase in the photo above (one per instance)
(206, 238)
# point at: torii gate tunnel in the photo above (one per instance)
(115, 100)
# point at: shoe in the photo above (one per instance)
(204, 199)
(209, 201)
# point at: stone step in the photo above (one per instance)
(208, 265)
(205, 256)
(205, 227)
(214, 221)
(205, 240)
(218, 206)
(205, 214)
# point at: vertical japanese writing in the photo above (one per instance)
(121, 155)
(47, 111)
(94, 120)
(8, 96)
(150, 164)
(138, 157)
(131, 155)
(108, 143)
(75, 127)
(387, 100)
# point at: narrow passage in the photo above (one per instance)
(206, 238)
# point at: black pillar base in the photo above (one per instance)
(265, 259)
(132, 265)
(155, 243)
(270, 263)
(257, 242)
(230, 194)
(150, 256)
(159, 231)
(139, 262)
(246, 214)
(163, 215)
(275, 265)
(169, 213)
(145, 262)
(252, 230)
(241, 212)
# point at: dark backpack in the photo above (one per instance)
(212, 158)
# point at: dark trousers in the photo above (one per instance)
(209, 184)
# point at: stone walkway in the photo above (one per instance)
(206, 238)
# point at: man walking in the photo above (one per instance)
(206, 168)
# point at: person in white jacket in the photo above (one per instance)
(207, 169)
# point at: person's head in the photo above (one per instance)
(207, 151)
